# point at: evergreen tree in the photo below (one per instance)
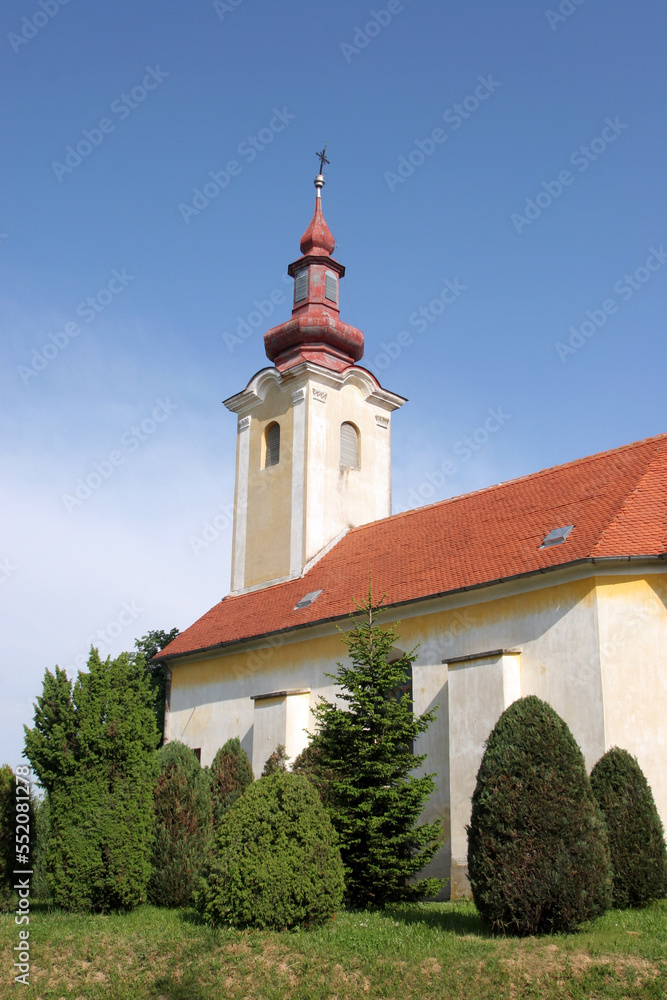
(93, 750)
(182, 834)
(636, 836)
(275, 863)
(229, 776)
(147, 648)
(278, 761)
(538, 857)
(363, 755)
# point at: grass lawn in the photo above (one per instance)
(419, 951)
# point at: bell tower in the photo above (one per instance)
(313, 453)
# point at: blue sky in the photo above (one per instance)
(496, 190)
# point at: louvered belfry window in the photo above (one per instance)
(330, 289)
(272, 455)
(349, 446)
(301, 285)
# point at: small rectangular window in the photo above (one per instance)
(301, 285)
(330, 286)
(197, 752)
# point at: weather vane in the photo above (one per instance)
(323, 157)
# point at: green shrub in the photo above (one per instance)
(538, 856)
(636, 837)
(229, 775)
(182, 832)
(278, 761)
(93, 750)
(276, 862)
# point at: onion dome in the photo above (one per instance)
(315, 331)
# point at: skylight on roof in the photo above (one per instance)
(307, 600)
(557, 536)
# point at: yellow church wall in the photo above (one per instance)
(337, 496)
(269, 494)
(557, 633)
(633, 642)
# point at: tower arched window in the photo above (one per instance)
(349, 445)
(271, 445)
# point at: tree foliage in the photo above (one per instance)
(538, 857)
(229, 775)
(182, 826)
(275, 860)
(93, 750)
(278, 761)
(148, 647)
(636, 836)
(362, 757)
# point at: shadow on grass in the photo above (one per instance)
(448, 921)
(174, 989)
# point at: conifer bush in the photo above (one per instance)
(361, 758)
(275, 860)
(538, 856)
(636, 836)
(229, 775)
(183, 826)
(93, 750)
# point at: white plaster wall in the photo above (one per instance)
(430, 693)
(633, 633)
(270, 717)
(479, 692)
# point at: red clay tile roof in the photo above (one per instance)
(616, 500)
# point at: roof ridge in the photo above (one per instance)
(510, 482)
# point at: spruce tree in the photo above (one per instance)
(362, 754)
(229, 776)
(636, 836)
(538, 856)
(93, 750)
(182, 834)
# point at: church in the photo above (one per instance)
(554, 584)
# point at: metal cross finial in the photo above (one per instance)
(323, 157)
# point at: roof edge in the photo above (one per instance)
(588, 560)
